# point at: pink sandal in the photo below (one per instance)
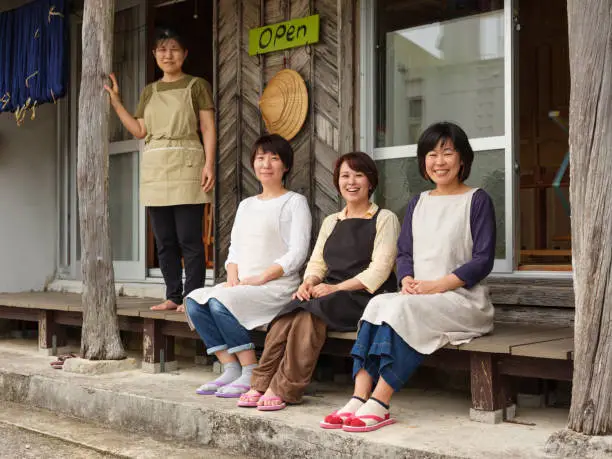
(249, 401)
(280, 406)
(335, 420)
(357, 423)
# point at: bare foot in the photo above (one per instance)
(251, 396)
(180, 308)
(167, 305)
(270, 399)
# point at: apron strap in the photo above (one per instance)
(155, 87)
(191, 83)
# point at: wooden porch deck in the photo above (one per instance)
(512, 349)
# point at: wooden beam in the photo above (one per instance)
(533, 367)
(487, 385)
(47, 329)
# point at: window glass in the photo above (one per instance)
(438, 60)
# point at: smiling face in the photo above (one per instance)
(354, 185)
(170, 55)
(443, 164)
(269, 168)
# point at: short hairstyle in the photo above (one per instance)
(443, 132)
(274, 143)
(360, 162)
(165, 34)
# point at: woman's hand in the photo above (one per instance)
(408, 286)
(253, 280)
(304, 291)
(429, 287)
(232, 281)
(113, 91)
(208, 178)
(323, 289)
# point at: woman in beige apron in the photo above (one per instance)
(176, 171)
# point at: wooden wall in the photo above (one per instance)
(329, 71)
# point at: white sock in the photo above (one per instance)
(371, 407)
(241, 384)
(352, 406)
(231, 371)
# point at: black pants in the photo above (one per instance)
(178, 231)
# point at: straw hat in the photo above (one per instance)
(284, 104)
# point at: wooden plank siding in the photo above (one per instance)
(328, 69)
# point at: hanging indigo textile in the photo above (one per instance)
(33, 55)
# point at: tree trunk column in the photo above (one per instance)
(100, 335)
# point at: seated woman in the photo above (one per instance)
(352, 260)
(269, 244)
(445, 249)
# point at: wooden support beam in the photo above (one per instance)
(153, 342)
(487, 385)
(47, 328)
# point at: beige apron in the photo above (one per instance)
(173, 157)
(442, 241)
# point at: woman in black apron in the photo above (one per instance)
(352, 261)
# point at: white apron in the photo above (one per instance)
(442, 241)
(259, 243)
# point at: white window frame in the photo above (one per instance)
(504, 142)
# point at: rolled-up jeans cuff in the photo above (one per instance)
(212, 350)
(242, 347)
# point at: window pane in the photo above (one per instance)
(439, 63)
(126, 60)
(400, 180)
(123, 206)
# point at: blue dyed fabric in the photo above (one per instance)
(34, 54)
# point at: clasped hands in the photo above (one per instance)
(410, 286)
(232, 281)
(310, 288)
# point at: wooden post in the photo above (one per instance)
(590, 139)
(154, 342)
(100, 335)
(47, 328)
(488, 388)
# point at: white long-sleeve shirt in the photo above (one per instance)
(295, 227)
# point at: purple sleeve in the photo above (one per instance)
(482, 224)
(405, 264)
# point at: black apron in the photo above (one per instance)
(347, 252)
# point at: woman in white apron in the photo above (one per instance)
(445, 249)
(269, 244)
(176, 171)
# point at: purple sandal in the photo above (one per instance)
(202, 391)
(233, 394)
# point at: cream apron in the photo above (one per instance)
(260, 243)
(442, 241)
(173, 157)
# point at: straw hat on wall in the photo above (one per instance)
(284, 104)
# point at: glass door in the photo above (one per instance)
(127, 216)
(440, 61)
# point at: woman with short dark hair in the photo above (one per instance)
(445, 249)
(269, 244)
(352, 261)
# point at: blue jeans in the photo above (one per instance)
(382, 352)
(218, 327)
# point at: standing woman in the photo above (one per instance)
(352, 261)
(177, 173)
(445, 249)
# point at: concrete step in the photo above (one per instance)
(431, 424)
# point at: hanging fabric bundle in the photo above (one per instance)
(33, 56)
